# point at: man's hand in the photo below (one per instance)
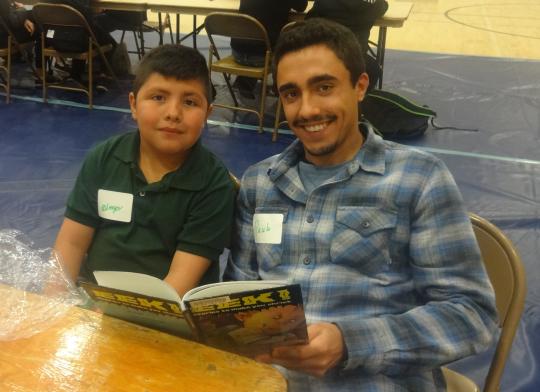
(29, 26)
(324, 351)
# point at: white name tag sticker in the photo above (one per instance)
(50, 33)
(115, 206)
(267, 228)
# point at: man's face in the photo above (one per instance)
(170, 114)
(321, 104)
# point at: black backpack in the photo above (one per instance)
(395, 117)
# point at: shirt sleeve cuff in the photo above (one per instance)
(81, 218)
(364, 341)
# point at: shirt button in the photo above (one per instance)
(310, 219)
(307, 260)
(142, 193)
(366, 224)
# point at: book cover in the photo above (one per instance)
(245, 317)
(250, 322)
(158, 313)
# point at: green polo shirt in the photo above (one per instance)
(190, 210)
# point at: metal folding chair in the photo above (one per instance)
(507, 276)
(236, 25)
(51, 16)
(5, 67)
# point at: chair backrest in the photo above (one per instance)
(236, 25)
(58, 15)
(61, 15)
(507, 275)
(235, 181)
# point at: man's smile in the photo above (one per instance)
(316, 124)
(316, 127)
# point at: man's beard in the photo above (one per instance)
(324, 150)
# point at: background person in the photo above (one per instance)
(273, 16)
(71, 39)
(19, 21)
(359, 16)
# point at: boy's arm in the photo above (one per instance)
(72, 243)
(186, 271)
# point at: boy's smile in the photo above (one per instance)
(171, 114)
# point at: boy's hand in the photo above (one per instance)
(323, 352)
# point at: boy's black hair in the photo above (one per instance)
(319, 31)
(174, 61)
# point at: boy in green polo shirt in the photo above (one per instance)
(154, 201)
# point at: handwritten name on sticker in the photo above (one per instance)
(114, 205)
(109, 207)
(267, 228)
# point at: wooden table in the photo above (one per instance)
(87, 351)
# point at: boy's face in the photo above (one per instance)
(170, 114)
(321, 104)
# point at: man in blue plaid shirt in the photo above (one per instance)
(376, 234)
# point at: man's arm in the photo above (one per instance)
(186, 271)
(72, 243)
(456, 316)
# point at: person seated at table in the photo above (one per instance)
(154, 201)
(359, 16)
(19, 21)
(75, 40)
(375, 233)
(273, 16)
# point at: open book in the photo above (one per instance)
(246, 317)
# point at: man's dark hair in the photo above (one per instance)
(174, 61)
(319, 31)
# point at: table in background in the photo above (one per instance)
(86, 351)
(395, 17)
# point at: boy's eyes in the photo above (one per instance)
(187, 101)
(191, 102)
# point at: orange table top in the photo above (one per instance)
(88, 351)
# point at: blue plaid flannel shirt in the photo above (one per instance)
(385, 250)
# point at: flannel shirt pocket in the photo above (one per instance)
(269, 256)
(362, 238)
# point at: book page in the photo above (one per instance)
(137, 283)
(224, 288)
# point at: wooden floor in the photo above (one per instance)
(499, 28)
